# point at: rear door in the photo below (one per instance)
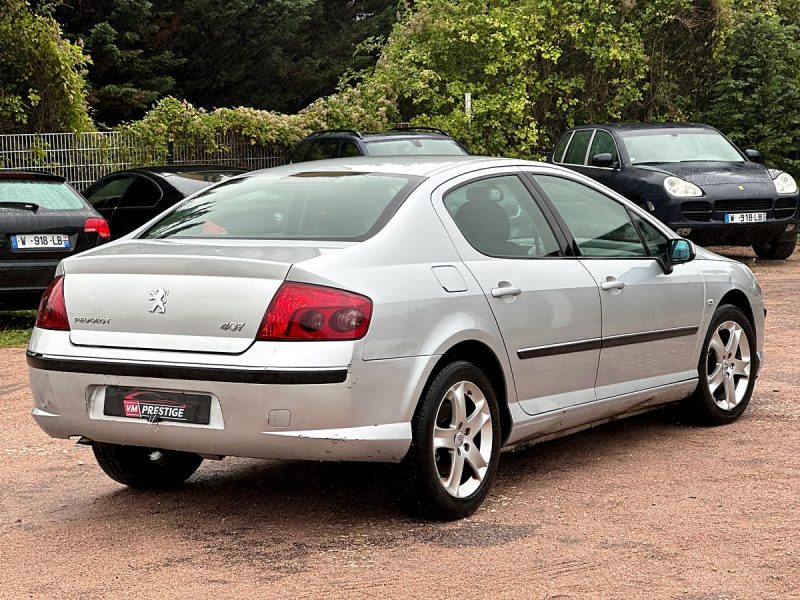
(126, 201)
(547, 307)
(650, 319)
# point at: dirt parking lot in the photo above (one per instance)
(649, 507)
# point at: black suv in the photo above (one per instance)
(342, 143)
(42, 220)
(692, 178)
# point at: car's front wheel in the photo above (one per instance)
(775, 250)
(726, 369)
(145, 468)
(453, 458)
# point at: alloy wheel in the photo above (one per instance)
(728, 365)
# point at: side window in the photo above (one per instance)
(601, 226)
(498, 217)
(108, 193)
(558, 153)
(576, 151)
(316, 150)
(603, 143)
(141, 193)
(349, 149)
(655, 241)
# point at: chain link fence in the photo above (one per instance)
(82, 158)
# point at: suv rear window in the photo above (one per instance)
(51, 195)
(415, 146)
(314, 205)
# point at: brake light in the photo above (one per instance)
(52, 312)
(97, 225)
(301, 311)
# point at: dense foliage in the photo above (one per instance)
(41, 82)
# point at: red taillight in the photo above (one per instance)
(300, 311)
(52, 308)
(98, 226)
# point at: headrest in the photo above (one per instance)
(484, 193)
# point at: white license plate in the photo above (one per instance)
(759, 217)
(39, 240)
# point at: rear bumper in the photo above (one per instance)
(363, 412)
(23, 281)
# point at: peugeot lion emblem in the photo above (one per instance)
(159, 299)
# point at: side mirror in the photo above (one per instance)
(604, 160)
(754, 155)
(681, 251)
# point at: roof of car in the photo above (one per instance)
(40, 175)
(169, 170)
(369, 136)
(640, 126)
(419, 166)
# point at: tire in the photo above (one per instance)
(775, 250)
(456, 429)
(145, 468)
(726, 369)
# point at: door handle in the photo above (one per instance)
(612, 283)
(500, 292)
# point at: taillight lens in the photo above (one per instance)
(300, 311)
(98, 226)
(52, 308)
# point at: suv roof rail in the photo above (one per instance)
(326, 131)
(431, 129)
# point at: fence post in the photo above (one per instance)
(171, 152)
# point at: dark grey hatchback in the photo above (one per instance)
(42, 220)
(693, 179)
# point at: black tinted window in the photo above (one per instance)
(603, 143)
(349, 149)
(314, 205)
(316, 150)
(107, 193)
(558, 153)
(578, 145)
(141, 193)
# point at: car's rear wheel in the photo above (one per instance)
(455, 450)
(775, 250)
(145, 468)
(726, 369)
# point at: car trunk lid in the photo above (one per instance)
(169, 295)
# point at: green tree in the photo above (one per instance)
(42, 87)
(130, 67)
(756, 101)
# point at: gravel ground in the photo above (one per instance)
(649, 507)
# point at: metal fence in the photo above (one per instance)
(82, 158)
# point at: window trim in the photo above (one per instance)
(571, 134)
(616, 146)
(571, 139)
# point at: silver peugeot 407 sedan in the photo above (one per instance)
(426, 312)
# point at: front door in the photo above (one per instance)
(650, 318)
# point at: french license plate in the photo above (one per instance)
(752, 217)
(27, 241)
(156, 406)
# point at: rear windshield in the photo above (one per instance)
(682, 145)
(52, 195)
(314, 205)
(415, 146)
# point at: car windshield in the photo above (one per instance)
(415, 146)
(52, 195)
(313, 205)
(679, 145)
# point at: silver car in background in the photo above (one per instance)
(426, 312)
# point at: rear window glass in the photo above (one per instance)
(314, 205)
(52, 195)
(415, 146)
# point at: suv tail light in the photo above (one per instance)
(97, 225)
(52, 308)
(301, 311)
